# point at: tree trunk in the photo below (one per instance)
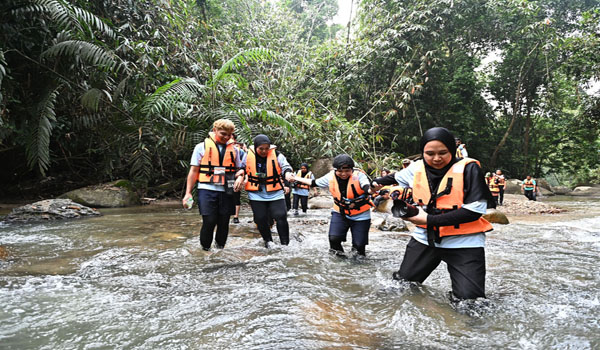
(526, 138)
(516, 108)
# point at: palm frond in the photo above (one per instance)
(88, 52)
(38, 147)
(90, 100)
(246, 115)
(141, 164)
(66, 16)
(170, 96)
(3, 66)
(250, 55)
(88, 121)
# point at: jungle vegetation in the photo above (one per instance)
(98, 90)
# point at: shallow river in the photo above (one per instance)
(138, 279)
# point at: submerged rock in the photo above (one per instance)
(50, 209)
(114, 194)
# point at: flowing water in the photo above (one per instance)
(138, 279)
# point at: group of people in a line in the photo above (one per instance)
(448, 189)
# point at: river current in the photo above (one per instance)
(137, 278)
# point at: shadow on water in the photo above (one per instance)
(137, 278)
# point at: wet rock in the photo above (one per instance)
(4, 253)
(496, 217)
(114, 194)
(545, 192)
(50, 209)
(320, 202)
(321, 167)
(561, 190)
(513, 186)
(586, 191)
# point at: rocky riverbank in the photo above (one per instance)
(515, 204)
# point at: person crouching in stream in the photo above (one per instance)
(449, 224)
(266, 169)
(352, 205)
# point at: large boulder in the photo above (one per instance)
(495, 216)
(320, 202)
(542, 183)
(114, 194)
(561, 190)
(545, 192)
(591, 191)
(513, 186)
(50, 209)
(321, 167)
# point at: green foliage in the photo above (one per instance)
(129, 88)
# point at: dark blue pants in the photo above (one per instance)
(338, 229)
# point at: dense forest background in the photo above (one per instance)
(98, 90)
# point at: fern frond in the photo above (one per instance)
(66, 16)
(246, 115)
(141, 164)
(88, 52)
(171, 96)
(3, 66)
(90, 100)
(38, 148)
(88, 121)
(251, 55)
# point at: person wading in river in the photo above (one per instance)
(350, 189)
(218, 168)
(266, 169)
(449, 224)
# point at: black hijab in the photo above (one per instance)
(306, 166)
(258, 140)
(444, 136)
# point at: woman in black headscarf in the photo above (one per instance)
(452, 195)
(351, 210)
(266, 170)
(301, 191)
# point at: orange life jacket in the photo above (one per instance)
(449, 196)
(211, 161)
(300, 185)
(356, 201)
(493, 186)
(529, 185)
(272, 179)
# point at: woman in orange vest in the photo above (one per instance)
(218, 169)
(352, 205)
(452, 195)
(301, 191)
(501, 184)
(266, 169)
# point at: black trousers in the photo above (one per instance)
(288, 201)
(303, 201)
(501, 195)
(530, 195)
(208, 226)
(264, 211)
(465, 265)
